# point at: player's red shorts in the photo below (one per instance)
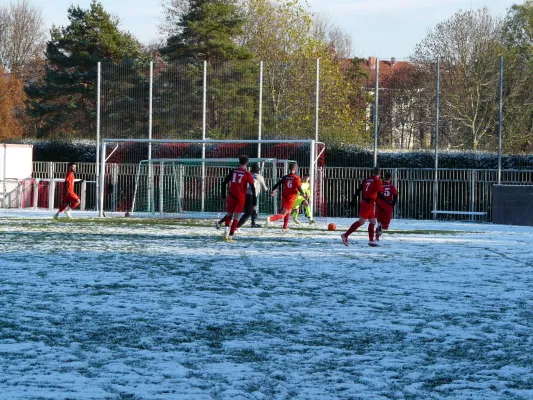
(71, 198)
(288, 202)
(384, 214)
(366, 210)
(235, 205)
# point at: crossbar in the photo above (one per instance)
(205, 160)
(210, 141)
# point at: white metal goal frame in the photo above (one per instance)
(316, 150)
(180, 162)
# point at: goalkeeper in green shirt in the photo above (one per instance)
(300, 200)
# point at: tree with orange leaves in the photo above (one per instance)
(11, 105)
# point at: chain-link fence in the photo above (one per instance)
(346, 102)
(233, 101)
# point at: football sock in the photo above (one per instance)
(286, 221)
(295, 214)
(243, 220)
(234, 227)
(353, 228)
(226, 221)
(371, 232)
(276, 217)
(308, 212)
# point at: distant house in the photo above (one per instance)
(399, 112)
(387, 68)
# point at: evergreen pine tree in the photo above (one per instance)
(209, 30)
(65, 100)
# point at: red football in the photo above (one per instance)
(332, 227)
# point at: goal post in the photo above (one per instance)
(121, 160)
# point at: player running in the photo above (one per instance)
(292, 185)
(369, 188)
(240, 179)
(70, 199)
(300, 200)
(250, 207)
(385, 204)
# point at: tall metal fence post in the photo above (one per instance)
(36, 193)
(437, 105)
(102, 175)
(161, 186)
(151, 188)
(472, 192)
(51, 186)
(114, 186)
(3, 177)
(260, 111)
(204, 131)
(312, 178)
(395, 183)
(83, 195)
(376, 112)
(317, 98)
(500, 123)
(97, 162)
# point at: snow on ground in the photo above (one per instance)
(121, 308)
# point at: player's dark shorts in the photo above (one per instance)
(383, 214)
(249, 204)
(366, 209)
(235, 205)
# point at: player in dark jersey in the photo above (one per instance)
(239, 180)
(70, 199)
(369, 189)
(249, 206)
(292, 185)
(385, 204)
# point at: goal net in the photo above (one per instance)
(189, 185)
(165, 176)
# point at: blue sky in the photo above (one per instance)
(382, 28)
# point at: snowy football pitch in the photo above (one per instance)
(138, 309)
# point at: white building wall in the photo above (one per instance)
(16, 163)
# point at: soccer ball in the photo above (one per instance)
(332, 227)
(127, 214)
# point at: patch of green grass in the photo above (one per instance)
(247, 355)
(437, 381)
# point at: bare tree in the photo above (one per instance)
(468, 45)
(22, 35)
(325, 30)
(173, 10)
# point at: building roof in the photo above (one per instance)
(387, 68)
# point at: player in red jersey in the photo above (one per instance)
(292, 185)
(369, 188)
(385, 204)
(239, 180)
(70, 199)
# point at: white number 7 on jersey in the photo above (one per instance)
(235, 177)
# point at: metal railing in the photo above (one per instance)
(463, 190)
(39, 193)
